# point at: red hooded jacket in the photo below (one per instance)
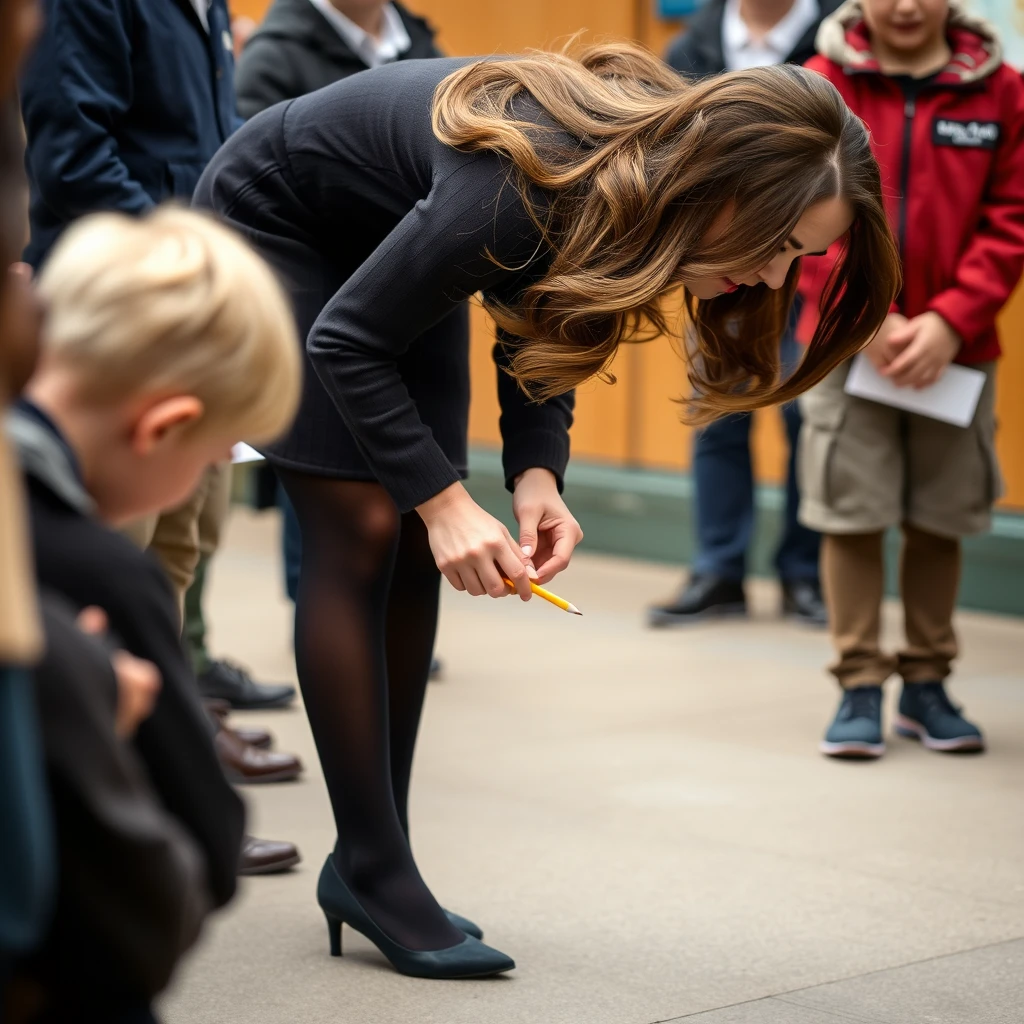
(952, 174)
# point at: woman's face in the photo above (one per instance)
(820, 226)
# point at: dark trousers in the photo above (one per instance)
(723, 476)
(291, 543)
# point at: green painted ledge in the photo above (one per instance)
(649, 515)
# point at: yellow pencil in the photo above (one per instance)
(558, 602)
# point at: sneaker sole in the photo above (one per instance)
(852, 751)
(911, 730)
(722, 611)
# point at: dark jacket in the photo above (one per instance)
(296, 50)
(698, 51)
(124, 102)
(89, 564)
(132, 886)
(952, 163)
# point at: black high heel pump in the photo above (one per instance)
(468, 959)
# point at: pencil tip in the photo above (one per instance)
(574, 610)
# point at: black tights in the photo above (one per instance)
(365, 619)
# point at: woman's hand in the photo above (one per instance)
(471, 547)
(548, 533)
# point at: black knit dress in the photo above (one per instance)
(380, 233)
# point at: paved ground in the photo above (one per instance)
(641, 819)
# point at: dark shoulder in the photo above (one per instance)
(422, 34)
(89, 563)
(697, 50)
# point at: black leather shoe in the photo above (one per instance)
(802, 600)
(702, 597)
(469, 958)
(225, 681)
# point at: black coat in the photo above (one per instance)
(296, 51)
(124, 102)
(698, 51)
(132, 886)
(87, 563)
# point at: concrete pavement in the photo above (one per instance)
(642, 820)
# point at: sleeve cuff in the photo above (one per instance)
(947, 306)
(535, 449)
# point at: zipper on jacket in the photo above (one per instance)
(909, 108)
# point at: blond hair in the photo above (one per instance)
(627, 170)
(174, 303)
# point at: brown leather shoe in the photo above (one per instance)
(245, 764)
(267, 856)
(254, 737)
(258, 738)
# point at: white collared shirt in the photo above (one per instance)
(393, 42)
(742, 52)
(201, 9)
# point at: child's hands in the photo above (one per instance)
(880, 350)
(138, 681)
(928, 345)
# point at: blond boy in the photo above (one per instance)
(167, 339)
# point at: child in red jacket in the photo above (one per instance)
(946, 117)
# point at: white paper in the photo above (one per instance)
(243, 453)
(952, 399)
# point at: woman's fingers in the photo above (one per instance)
(564, 543)
(515, 566)
(471, 579)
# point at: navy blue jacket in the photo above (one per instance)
(124, 102)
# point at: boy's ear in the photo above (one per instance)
(163, 420)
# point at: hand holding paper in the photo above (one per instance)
(928, 346)
(953, 399)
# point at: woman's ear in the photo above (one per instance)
(163, 421)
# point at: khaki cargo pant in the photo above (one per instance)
(181, 536)
(864, 467)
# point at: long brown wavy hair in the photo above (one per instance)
(633, 164)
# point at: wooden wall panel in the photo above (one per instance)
(1009, 404)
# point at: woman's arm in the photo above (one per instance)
(434, 259)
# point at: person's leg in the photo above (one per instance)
(929, 581)
(723, 479)
(799, 548)
(218, 678)
(175, 541)
(853, 574)
(796, 559)
(411, 628)
(291, 544)
(350, 541)
(213, 513)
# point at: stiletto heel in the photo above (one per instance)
(334, 933)
(467, 959)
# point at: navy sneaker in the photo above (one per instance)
(927, 714)
(856, 731)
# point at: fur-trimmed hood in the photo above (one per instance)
(977, 51)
